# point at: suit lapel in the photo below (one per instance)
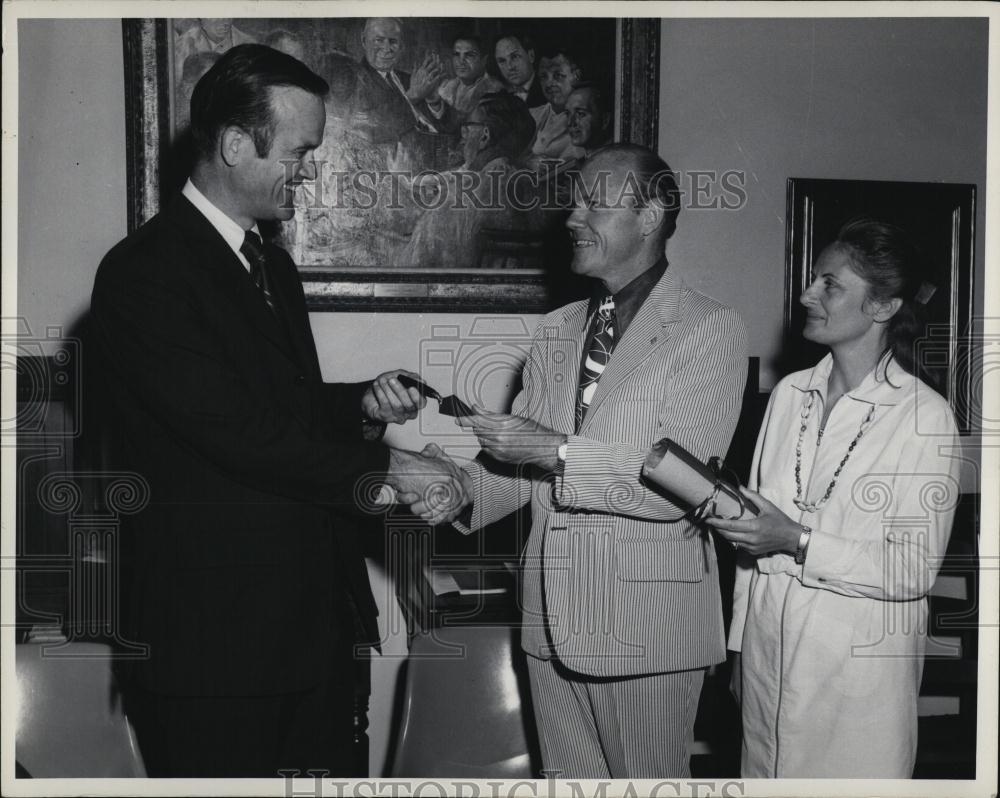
(230, 275)
(648, 332)
(289, 300)
(564, 351)
(386, 88)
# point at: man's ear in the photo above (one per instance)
(606, 122)
(651, 217)
(486, 136)
(234, 144)
(881, 312)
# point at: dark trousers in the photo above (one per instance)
(251, 736)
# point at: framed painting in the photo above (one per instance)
(388, 223)
(940, 218)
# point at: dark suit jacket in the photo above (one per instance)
(242, 569)
(536, 97)
(391, 112)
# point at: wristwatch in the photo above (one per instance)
(561, 456)
(803, 548)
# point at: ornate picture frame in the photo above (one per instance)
(153, 167)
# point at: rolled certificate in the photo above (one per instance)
(673, 468)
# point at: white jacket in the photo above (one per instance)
(832, 650)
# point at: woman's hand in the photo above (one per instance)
(770, 531)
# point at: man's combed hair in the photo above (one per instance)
(236, 91)
(599, 95)
(511, 125)
(652, 180)
(523, 39)
(474, 39)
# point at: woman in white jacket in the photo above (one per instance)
(856, 473)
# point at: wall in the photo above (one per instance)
(71, 164)
(834, 98)
(775, 98)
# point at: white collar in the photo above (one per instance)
(883, 385)
(226, 227)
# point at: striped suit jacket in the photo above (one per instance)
(614, 581)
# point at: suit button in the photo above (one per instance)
(300, 379)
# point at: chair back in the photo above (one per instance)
(70, 722)
(466, 707)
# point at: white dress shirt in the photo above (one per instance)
(226, 227)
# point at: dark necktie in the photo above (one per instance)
(601, 343)
(253, 251)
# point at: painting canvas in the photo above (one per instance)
(411, 208)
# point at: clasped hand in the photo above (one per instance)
(389, 402)
(769, 532)
(430, 482)
(514, 439)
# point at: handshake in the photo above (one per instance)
(429, 481)
(432, 484)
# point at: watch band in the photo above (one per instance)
(803, 548)
(561, 457)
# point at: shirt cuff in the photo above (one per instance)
(372, 430)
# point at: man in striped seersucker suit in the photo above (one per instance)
(620, 593)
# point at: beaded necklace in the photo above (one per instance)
(800, 502)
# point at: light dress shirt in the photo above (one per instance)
(552, 134)
(230, 231)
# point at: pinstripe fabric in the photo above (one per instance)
(604, 728)
(625, 587)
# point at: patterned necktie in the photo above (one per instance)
(253, 251)
(601, 345)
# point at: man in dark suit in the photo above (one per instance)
(244, 576)
(515, 56)
(400, 102)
